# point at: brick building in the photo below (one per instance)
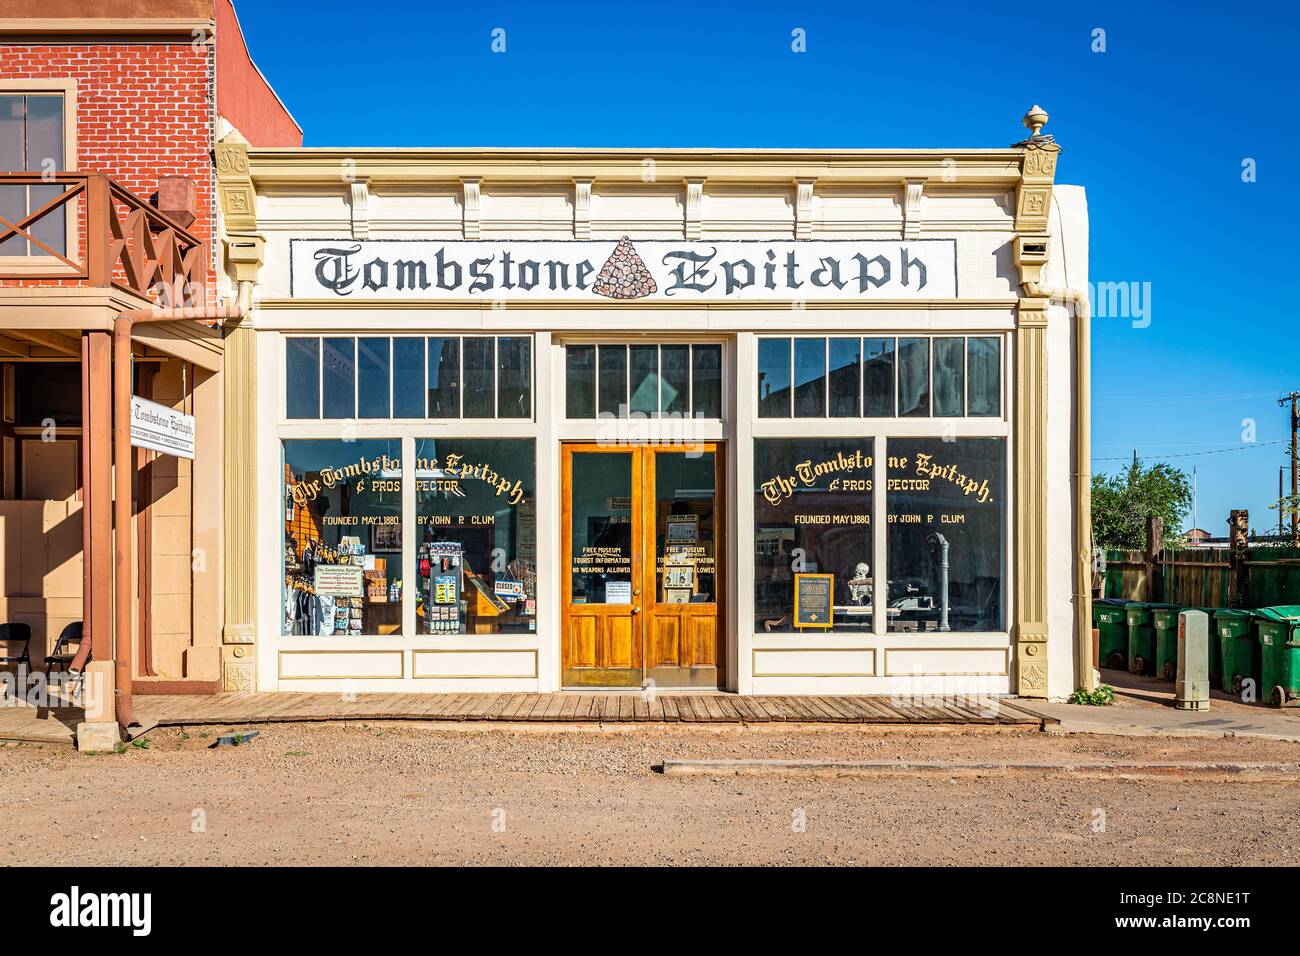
(109, 116)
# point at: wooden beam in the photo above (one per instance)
(50, 339)
(14, 347)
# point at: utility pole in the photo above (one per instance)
(1294, 398)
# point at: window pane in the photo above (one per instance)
(339, 378)
(809, 378)
(343, 537)
(480, 377)
(302, 378)
(444, 378)
(11, 133)
(946, 506)
(408, 378)
(44, 133)
(13, 206)
(676, 397)
(373, 362)
(580, 381)
(52, 227)
(644, 364)
(983, 376)
(803, 527)
(773, 378)
(514, 377)
(845, 378)
(913, 377)
(685, 528)
(949, 376)
(476, 513)
(878, 377)
(601, 528)
(613, 380)
(706, 375)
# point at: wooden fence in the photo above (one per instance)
(1202, 577)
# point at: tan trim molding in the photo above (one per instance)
(12, 27)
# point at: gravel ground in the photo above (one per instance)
(336, 794)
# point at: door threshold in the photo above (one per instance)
(659, 691)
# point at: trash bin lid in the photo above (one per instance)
(1110, 602)
(1286, 612)
(1231, 612)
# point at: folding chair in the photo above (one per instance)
(61, 656)
(20, 634)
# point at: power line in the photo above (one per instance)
(1214, 451)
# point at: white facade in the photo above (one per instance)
(971, 221)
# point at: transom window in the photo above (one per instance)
(650, 380)
(408, 376)
(880, 377)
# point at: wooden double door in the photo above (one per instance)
(642, 578)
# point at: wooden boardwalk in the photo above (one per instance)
(21, 722)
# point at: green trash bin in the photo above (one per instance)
(1109, 619)
(1238, 648)
(1141, 638)
(1164, 619)
(1278, 629)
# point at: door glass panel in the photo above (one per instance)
(685, 528)
(601, 528)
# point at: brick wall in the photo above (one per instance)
(144, 110)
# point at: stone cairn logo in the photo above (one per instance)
(624, 275)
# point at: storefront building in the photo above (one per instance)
(111, 294)
(763, 421)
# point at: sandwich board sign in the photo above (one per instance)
(161, 429)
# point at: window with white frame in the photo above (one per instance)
(622, 380)
(879, 377)
(402, 377)
(32, 139)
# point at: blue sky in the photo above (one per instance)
(1156, 128)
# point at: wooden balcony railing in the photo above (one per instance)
(113, 238)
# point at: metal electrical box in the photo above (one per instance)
(1192, 681)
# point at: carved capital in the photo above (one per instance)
(235, 190)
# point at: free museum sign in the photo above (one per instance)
(623, 270)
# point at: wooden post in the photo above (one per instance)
(1155, 579)
(1238, 532)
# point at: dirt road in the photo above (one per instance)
(337, 795)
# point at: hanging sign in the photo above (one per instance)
(161, 429)
(658, 270)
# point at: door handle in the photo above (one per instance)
(636, 610)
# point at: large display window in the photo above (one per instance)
(476, 540)
(946, 533)
(342, 537)
(812, 522)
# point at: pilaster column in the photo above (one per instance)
(1031, 497)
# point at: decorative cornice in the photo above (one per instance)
(471, 207)
(359, 199)
(582, 209)
(235, 189)
(803, 197)
(913, 189)
(694, 207)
